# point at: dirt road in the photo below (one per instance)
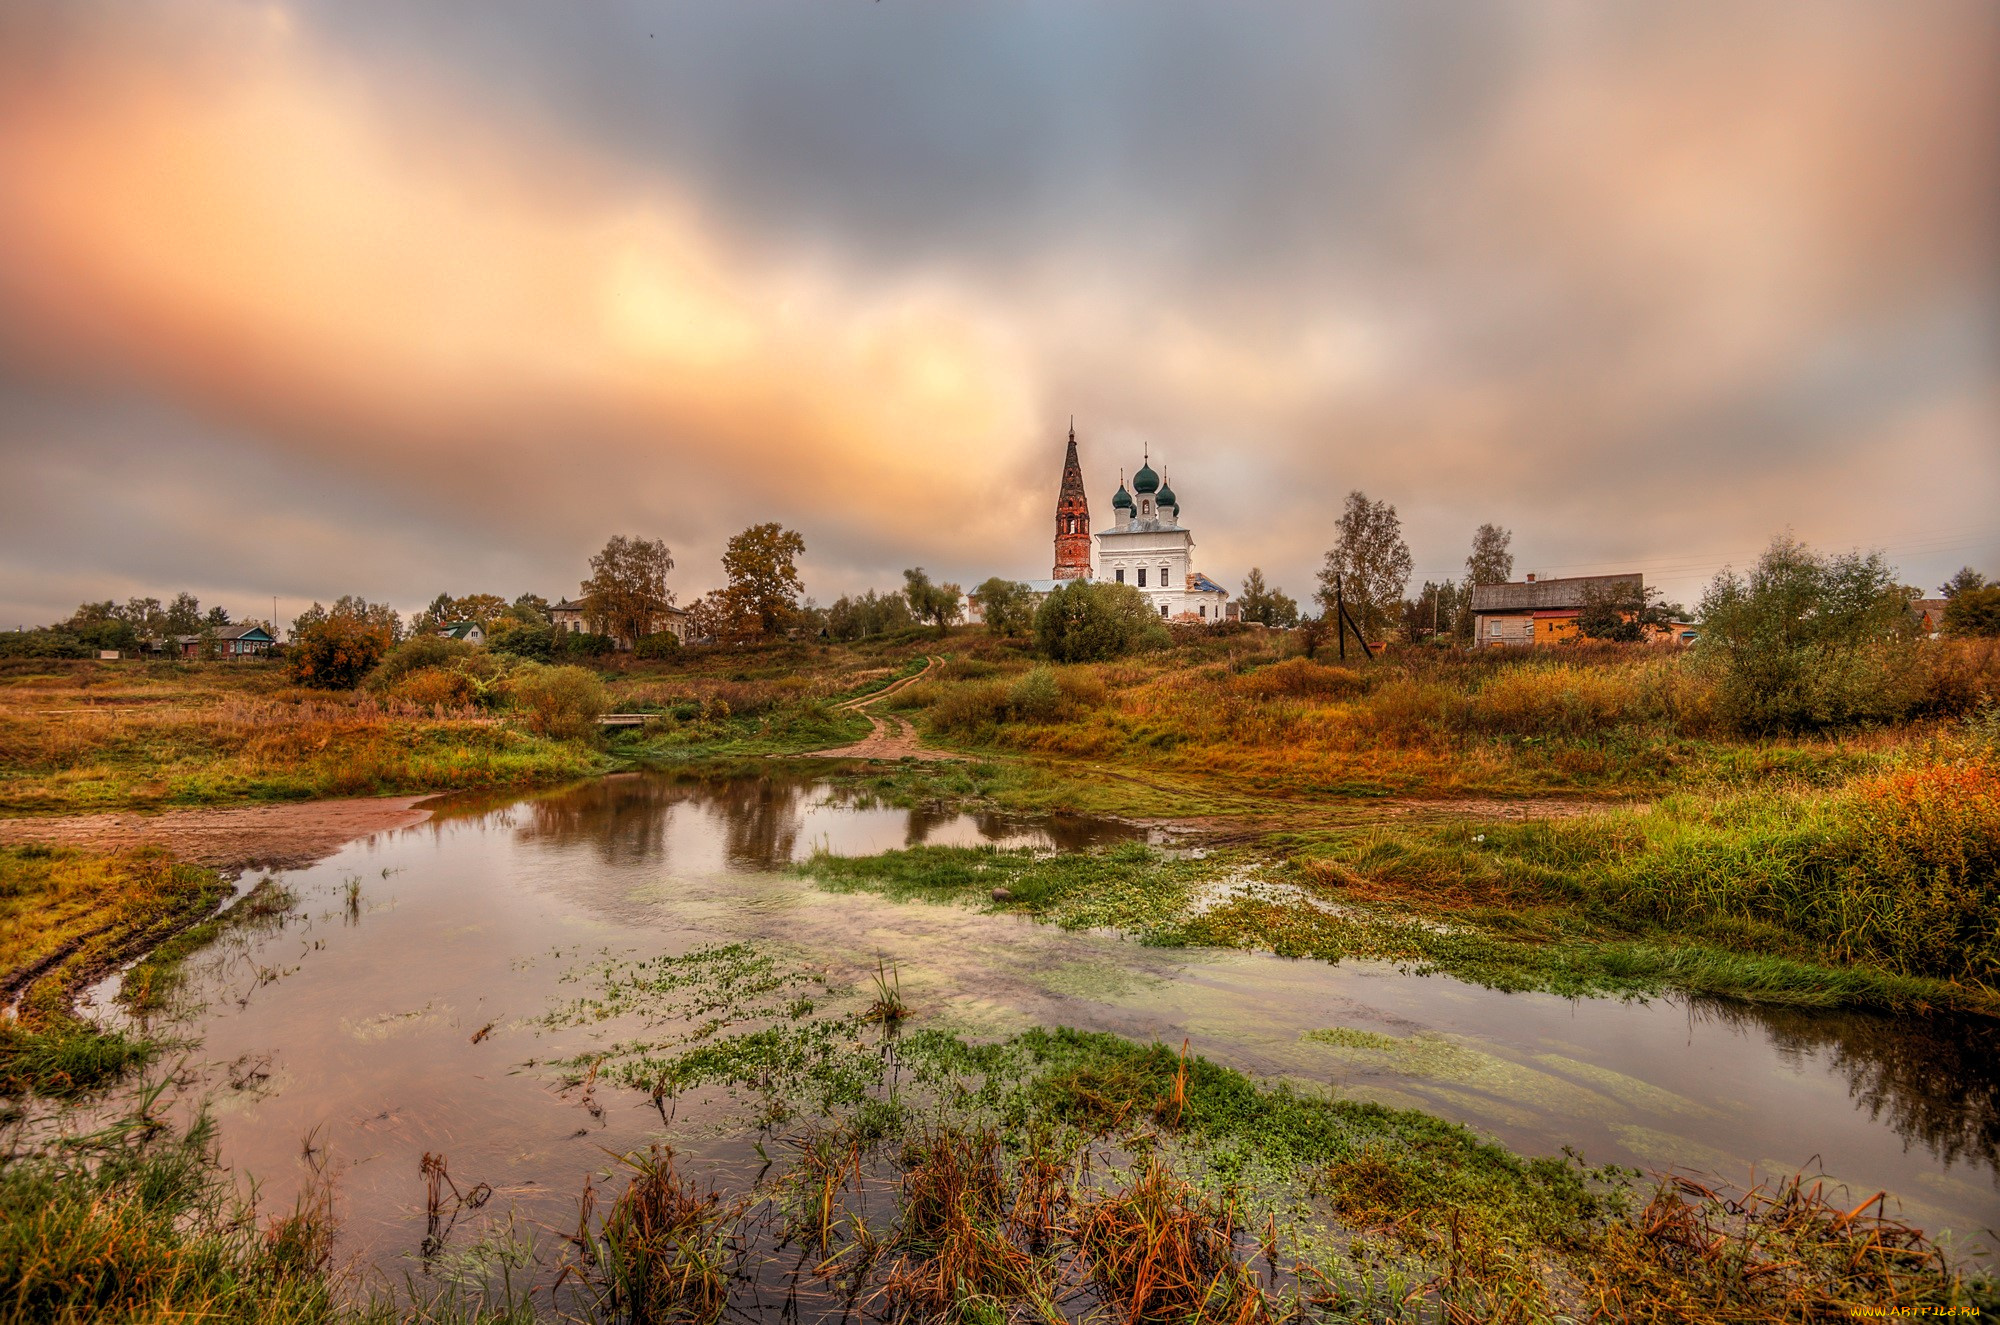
(888, 737)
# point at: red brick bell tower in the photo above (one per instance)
(1072, 519)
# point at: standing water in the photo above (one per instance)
(401, 1011)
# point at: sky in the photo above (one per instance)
(306, 299)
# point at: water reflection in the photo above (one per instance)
(475, 923)
(763, 822)
(1935, 1081)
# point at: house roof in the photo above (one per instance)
(247, 631)
(1545, 594)
(566, 606)
(460, 629)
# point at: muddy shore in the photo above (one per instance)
(232, 837)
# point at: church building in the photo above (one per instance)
(1146, 546)
(1149, 548)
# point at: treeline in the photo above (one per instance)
(125, 627)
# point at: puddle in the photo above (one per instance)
(471, 921)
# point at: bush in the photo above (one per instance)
(578, 644)
(533, 640)
(1087, 622)
(1299, 678)
(1808, 642)
(563, 702)
(1036, 697)
(432, 686)
(665, 644)
(335, 652)
(420, 653)
(1974, 612)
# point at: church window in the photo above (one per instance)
(1163, 609)
(1121, 575)
(1166, 580)
(1142, 577)
(1203, 609)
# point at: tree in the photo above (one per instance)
(1436, 611)
(482, 608)
(1007, 605)
(1973, 611)
(936, 603)
(1491, 561)
(1619, 613)
(764, 585)
(334, 651)
(869, 614)
(1963, 579)
(218, 617)
(183, 616)
(100, 626)
(437, 614)
(352, 605)
(1265, 605)
(627, 589)
(1370, 561)
(1807, 640)
(1084, 621)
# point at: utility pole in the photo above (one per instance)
(1340, 615)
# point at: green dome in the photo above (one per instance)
(1167, 497)
(1146, 480)
(1122, 500)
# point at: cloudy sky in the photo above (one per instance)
(317, 298)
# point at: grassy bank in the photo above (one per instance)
(1878, 892)
(1060, 1173)
(66, 919)
(86, 736)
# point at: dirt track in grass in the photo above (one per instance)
(235, 837)
(888, 737)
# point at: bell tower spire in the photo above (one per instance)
(1072, 517)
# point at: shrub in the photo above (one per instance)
(564, 702)
(1087, 622)
(967, 708)
(579, 644)
(522, 639)
(665, 644)
(1974, 612)
(1807, 641)
(335, 652)
(1299, 678)
(419, 653)
(432, 686)
(1036, 697)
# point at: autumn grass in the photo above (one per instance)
(1877, 893)
(86, 736)
(68, 917)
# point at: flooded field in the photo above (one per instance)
(405, 1009)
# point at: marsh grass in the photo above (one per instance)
(68, 917)
(88, 736)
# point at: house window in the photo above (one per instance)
(1121, 574)
(1142, 577)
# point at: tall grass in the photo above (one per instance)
(66, 918)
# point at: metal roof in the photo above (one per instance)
(1544, 594)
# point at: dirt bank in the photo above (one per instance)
(238, 837)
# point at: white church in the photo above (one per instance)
(1146, 545)
(1149, 548)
